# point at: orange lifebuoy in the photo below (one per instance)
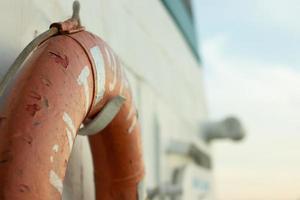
(65, 82)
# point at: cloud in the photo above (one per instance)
(266, 96)
(244, 83)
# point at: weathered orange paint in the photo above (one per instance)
(117, 149)
(45, 103)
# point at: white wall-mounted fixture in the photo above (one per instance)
(228, 128)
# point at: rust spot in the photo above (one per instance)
(63, 60)
(2, 119)
(46, 81)
(24, 188)
(46, 102)
(3, 161)
(35, 95)
(19, 172)
(28, 139)
(36, 123)
(5, 156)
(33, 108)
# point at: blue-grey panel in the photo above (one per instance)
(184, 21)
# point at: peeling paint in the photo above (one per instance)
(83, 80)
(55, 67)
(35, 95)
(132, 126)
(46, 81)
(33, 108)
(114, 71)
(121, 88)
(55, 181)
(67, 119)
(130, 113)
(55, 148)
(24, 188)
(122, 76)
(70, 129)
(108, 56)
(70, 138)
(100, 72)
(63, 60)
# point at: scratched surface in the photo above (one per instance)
(165, 78)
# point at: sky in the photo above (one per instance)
(250, 56)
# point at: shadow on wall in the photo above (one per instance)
(7, 57)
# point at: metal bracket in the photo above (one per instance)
(228, 128)
(71, 25)
(18, 63)
(104, 117)
(190, 150)
(165, 190)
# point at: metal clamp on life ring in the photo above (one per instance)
(103, 118)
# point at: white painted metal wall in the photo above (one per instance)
(165, 77)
